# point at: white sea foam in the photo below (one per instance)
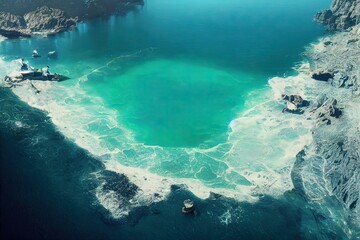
(110, 201)
(225, 218)
(266, 141)
(74, 120)
(256, 159)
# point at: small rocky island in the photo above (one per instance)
(33, 17)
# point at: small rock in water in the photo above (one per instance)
(188, 206)
(294, 103)
(52, 54)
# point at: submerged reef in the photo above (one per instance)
(23, 18)
(331, 164)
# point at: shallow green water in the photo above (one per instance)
(174, 103)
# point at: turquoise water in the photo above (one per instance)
(175, 103)
(159, 88)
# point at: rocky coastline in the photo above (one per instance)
(43, 21)
(342, 15)
(25, 18)
(330, 166)
(333, 159)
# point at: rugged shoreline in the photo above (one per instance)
(342, 15)
(332, 161)
(45, 18)
(42, 21)
(335, 139)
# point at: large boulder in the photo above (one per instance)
(324, 16)
(326, 110)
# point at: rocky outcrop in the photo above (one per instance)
(12, 25)
(341, 15)
(339, 60)
(8, 20)
(326, 110)
(341, 168)
(83, 9)
(336, 143)
(43, 20)
(22, 18)
(330, 166)
(48, 20)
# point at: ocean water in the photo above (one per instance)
(174, 93)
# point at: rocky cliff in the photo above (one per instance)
(48, 19)
(83, 9)
(330, 166)
(12, 25)
(43, 20)
(25, 17)
(332, 161)
(341, 15)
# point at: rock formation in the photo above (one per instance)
(326, 110)
(25, 17)
(341, 15)
(338, 62)
(47, 19)
(43, 20)
(330, 166)
(12, 25)
(83, 9)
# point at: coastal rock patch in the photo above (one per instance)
(341, 15)
(83, 9)
(8, 20)
(333, 159)
(43, 20)
(326, 110)
(12, 25)
(23, 18)
(342, 70)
